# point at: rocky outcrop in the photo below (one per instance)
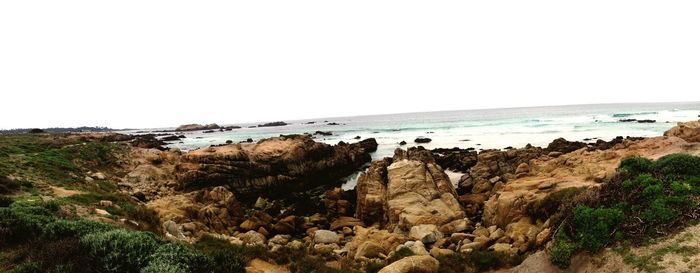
(689, 131)
(272, 166)
(408, 190)
(494, 166)
(273, 124)
(581, 168)
(197, 127)
(460, 160)
(564, 146)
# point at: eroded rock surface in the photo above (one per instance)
(408, 190)
(272, 166)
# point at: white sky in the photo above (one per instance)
(164, 63)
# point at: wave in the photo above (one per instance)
(623, 115)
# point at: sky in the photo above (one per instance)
(137, 64)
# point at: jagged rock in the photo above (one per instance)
(416, 247)
(427, 234)
(325, 248)
(458, 225)
(564, 146)
(371, 192)
(437, 252)
(413, 264)
(413, 190)
(455, 159)
(273, 166)
(344, 221)
(688, 131)
(387, 240)
(370, 250)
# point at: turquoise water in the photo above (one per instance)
(480, 129)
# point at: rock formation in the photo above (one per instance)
(408, 190)
(689, 131)
(197, 127)
(272, 166)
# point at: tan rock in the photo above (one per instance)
(387, 240)
(370, 250)
(426, 233)
(409, 190)
(413, 264)
(688, 131)
(260, 266)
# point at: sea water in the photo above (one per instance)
(479, 129)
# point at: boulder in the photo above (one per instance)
(416, 247)
(388, 241)
(252, 238)
(427, 234)
(323, 236)
(413, 264)
(423, 140)
(564, 146)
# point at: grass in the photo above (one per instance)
(55, 159)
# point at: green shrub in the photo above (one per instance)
(178, 257)
(74, 228)
(21, 222)
(64, 255)
(228, 260)
(5, 201)
(399, 254)
(660, 210)
(121, 250)
(374, 266)
(593, 226)
(678, 165)
(28, 267)
(7, 185)
(562, 250)
(635, 165)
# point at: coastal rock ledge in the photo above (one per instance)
(278, 164)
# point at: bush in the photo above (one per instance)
(228, 260)
(400, 254)
(121, 250)
(678, 165)
(177, 257)
(5, 201)
(636, 165)
(7, 185)
(562, 250)
(593, 226)
(64, 255)
(74, 228)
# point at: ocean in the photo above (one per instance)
(479, 129)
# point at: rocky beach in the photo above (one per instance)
(282, 196)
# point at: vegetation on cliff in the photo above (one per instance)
(645, 199)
